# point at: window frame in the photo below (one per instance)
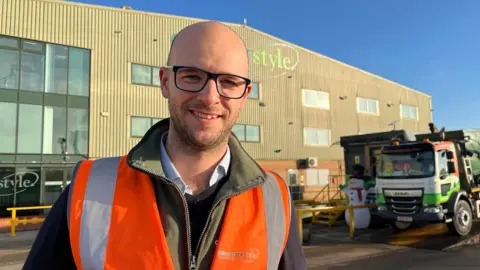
(151, 68)
(245, 132)
(306, 129)
(143, 117)
(327, 108)
(402, 109)
(377, 107)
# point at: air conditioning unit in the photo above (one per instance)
(312, 162)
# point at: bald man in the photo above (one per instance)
(187, 196)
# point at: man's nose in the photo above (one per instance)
(209, 94)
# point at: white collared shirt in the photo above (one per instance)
(171, 172)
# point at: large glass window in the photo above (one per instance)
(145, 75)
(8, 127)
(29, 129)
(247, 133)
(54, 128)
(52, 123)
(32, 66)
(79, 72)
(140, 125)
(56, 69)
(9, 67)
(35, 66)
(77, 132)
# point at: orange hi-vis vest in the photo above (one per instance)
(114, 222)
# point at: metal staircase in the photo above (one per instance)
(330, 214)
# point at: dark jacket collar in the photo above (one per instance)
(244, 170)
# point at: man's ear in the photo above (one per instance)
(249, 89)
(164, 81)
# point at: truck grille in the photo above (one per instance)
(404, 205)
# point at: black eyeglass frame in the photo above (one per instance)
(210, 75)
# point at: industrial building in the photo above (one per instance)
(80, 81)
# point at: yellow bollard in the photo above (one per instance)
(13, 222)
(352, 222)
(300, 224)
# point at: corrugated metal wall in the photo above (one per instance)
(119, 37)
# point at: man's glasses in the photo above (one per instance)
(192, 79)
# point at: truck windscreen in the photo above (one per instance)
(406, 163)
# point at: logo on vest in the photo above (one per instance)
(244, 256)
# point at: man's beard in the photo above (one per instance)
(187, 138)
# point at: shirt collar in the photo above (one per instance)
(171, 172)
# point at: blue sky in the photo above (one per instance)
(429, 45)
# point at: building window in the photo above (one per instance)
(8, 124)
(408, 111)
(369, 106)
(247, 133)
(44, 100)
(255, 92)
(54, 129)
(145, 75)
(56, 75)
(77, 131)
(316, 99)
(79, 72)
(39, 67)
(140, 125)
(32, 66)
(29, 129)
(317, 137)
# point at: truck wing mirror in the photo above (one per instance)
(451, 167)
(449, 155)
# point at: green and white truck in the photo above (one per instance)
(422, 178)
(433, 179)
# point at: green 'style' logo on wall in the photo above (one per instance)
(274, 57)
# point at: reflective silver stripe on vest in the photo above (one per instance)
(96, 213)
(275, 218)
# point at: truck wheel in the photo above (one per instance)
(462, 219)
(400, 226)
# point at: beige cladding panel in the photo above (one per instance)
(119, 37)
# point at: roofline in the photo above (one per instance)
(240, 25)
(339, 62)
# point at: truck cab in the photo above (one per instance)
(415, 181)
(421, 177)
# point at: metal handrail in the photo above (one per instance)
(14, 215)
